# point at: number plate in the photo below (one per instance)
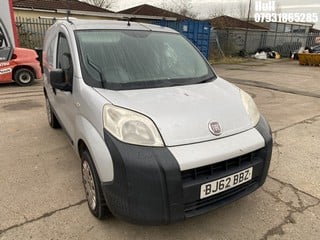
(223, 184)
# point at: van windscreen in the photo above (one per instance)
(124, 59)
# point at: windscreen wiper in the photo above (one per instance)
(98, 69)
(210, 79)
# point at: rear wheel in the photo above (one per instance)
(92, 186)
(53, 121)
(24, 77)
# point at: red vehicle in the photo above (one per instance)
(17, 64)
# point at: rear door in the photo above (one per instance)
(5, 44)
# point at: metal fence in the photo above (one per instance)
(31, 31)
(232, 42)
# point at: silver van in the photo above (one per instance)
(160, 136)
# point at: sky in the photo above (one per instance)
(204, 8)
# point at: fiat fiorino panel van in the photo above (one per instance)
(160, 136)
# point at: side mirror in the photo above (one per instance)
(57, 80)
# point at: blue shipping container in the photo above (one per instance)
(198, 32)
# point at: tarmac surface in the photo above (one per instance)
(42, 196)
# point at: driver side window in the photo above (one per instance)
(5, 46)
(64, 59)
(2, 39)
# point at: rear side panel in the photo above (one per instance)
(27, 58)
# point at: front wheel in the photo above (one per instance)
(91, 183)
(24, 77)
(53, 121)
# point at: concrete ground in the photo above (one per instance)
(42, 196)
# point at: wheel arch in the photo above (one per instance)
(89, 139)
(81, 146)
(45, 92)
(18, 67)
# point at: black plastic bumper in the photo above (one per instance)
(149, 188)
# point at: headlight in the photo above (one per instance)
(131, 127)
(251, 107)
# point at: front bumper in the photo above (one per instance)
(149, 188)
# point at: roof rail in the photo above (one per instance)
(120, 16)
(69, 19)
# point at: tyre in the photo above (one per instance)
(53, 121)
(24, 77)
(92, 186)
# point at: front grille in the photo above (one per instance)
(192, 180)
(201, 205)
(218, 168)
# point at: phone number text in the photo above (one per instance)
(286, 17)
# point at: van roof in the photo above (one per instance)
(77, 24)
